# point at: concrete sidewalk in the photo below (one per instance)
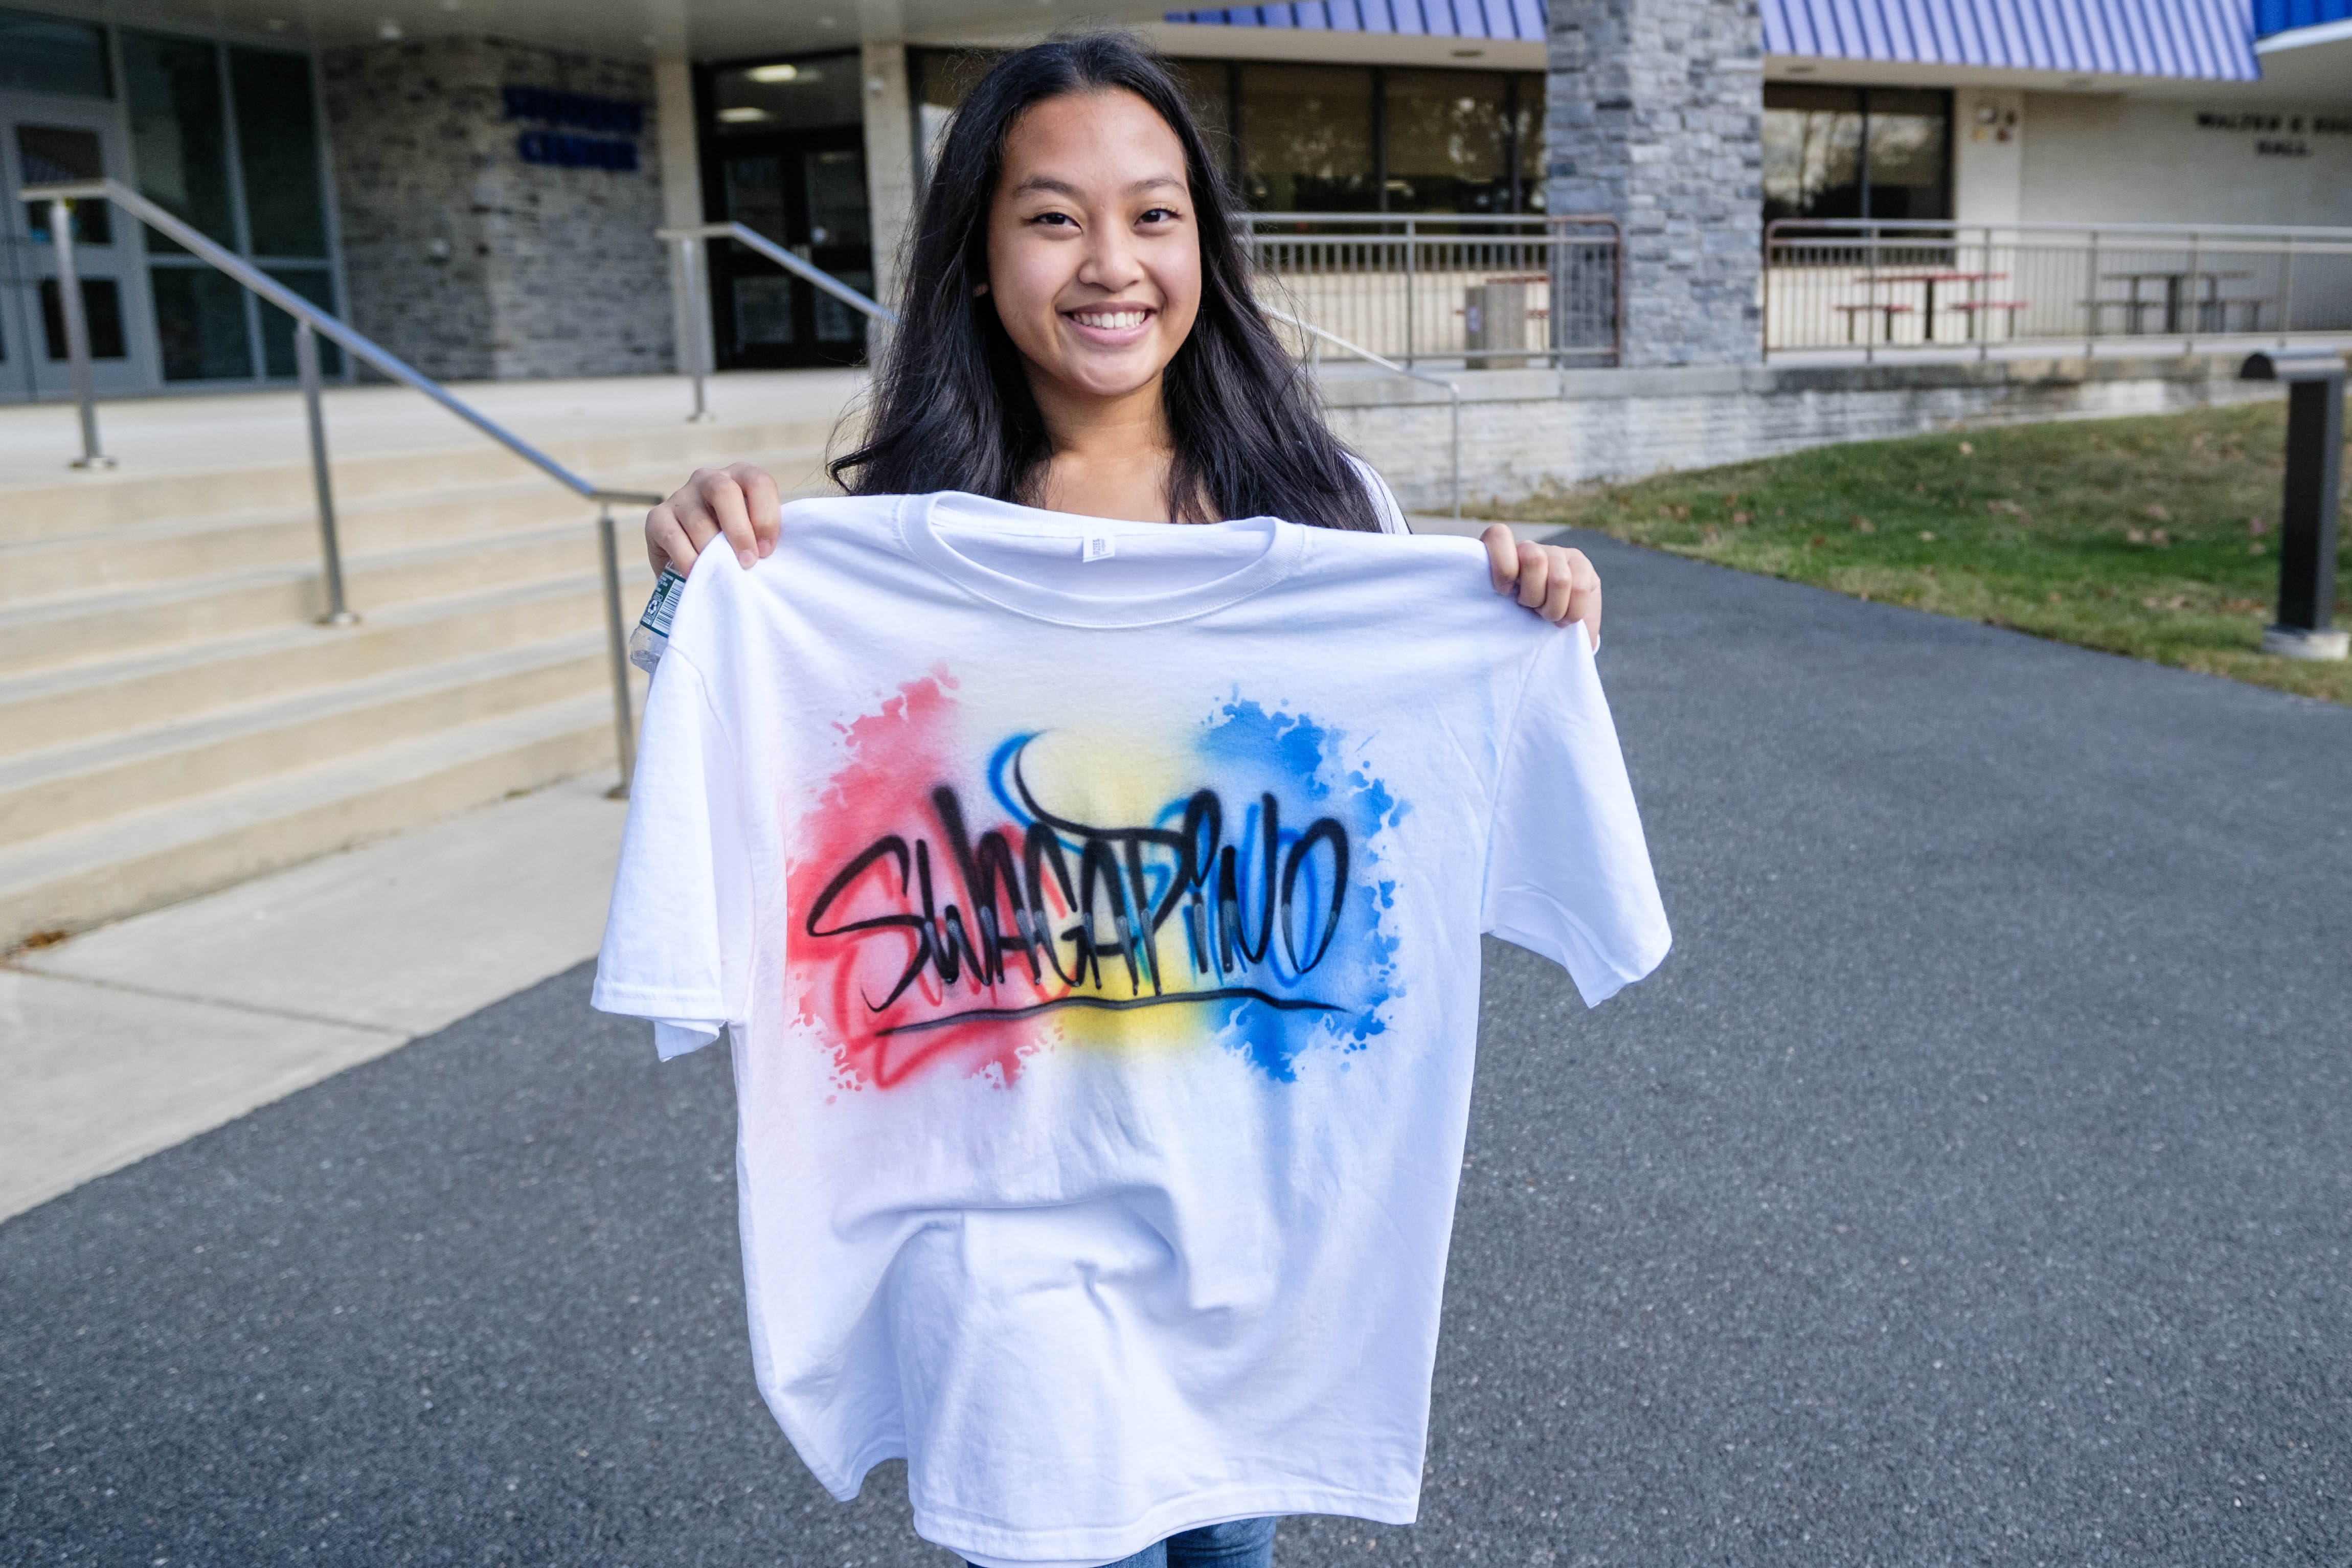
(136, 1036)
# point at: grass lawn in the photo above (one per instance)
(2153, 537)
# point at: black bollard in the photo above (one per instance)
(2314, 489)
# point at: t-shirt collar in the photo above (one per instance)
(921, 517)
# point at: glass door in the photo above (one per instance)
(807, 190)
(44, 141)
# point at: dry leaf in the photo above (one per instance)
(2255, 548)
(2054, 595)
(1818, 540)
(1864, 526)
(1966, 450)
(1739, 519)
(2154, 511)
(2258, 526)
(2135, 536)
(1710, 535)
(1927, 535)
(2160, 538)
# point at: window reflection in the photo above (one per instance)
(1854, 153)
(1449, 142)
(1306, 138)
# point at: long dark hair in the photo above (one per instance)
(952, 408)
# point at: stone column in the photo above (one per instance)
(681, 199)
(890, 166)
(1655, 117)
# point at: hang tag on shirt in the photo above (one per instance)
(1098, 547)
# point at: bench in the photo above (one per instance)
(1973, 306)
(1889, 310)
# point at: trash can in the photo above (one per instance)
(1495, 317)
(2312, 500)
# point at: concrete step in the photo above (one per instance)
(63, 565)
(62, 704)
(227, 603)
(71, 879)
(122, 498)
(111, 775)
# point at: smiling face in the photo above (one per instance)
(1093, 259)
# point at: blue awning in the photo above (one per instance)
(1501, 19)
(2285, 15)
(2204, 40)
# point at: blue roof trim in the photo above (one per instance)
(1504, 20)
(2285, 15)
(2205, 40)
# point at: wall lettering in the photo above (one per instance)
(562, 149)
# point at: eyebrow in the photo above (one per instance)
(1063, 187)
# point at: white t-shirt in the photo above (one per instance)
(1095, 909)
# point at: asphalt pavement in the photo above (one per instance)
(1972, 1186)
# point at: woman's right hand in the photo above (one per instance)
(739, 500)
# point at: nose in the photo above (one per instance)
(1112, 260)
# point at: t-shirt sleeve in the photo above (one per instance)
(677, 933)
(1384, 501)
(1567, 871)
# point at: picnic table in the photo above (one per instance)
(2201, 287)
(1930, 281)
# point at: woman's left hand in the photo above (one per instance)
(1555, 582)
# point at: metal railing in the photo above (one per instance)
(1476, 291)
(310, 323)
(1316, 336)
(1907, 287)
(694, 276)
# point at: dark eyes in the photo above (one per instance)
(1148, 216)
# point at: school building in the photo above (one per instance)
(476, 184)
(242, 625)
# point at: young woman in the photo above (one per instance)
(1078, 335)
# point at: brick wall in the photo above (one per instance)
(1523, 431)
(1656, 116)
(466, 260)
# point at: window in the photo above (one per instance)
(1449, 142)
(1331, 139)
(191, 101)
(804, 94)
(1307, 137)
(1856, 153)
(49, 54)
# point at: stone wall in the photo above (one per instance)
(469, 261)
(1654, 116)
(1523, 431)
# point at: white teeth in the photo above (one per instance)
(1110, 320)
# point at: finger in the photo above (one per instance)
(760, 495)
(1563, 591)
(1535, 575)
(723, 498)
(1502, 556)
(667, 543)
(1584, 606)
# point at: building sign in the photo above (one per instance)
(2278, 135)
(611, 124)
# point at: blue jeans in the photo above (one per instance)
(1237, 1543)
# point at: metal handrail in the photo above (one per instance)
(310, 323)
(1415, 228)
(1361, 352)
(694, 237)
(2211, 231)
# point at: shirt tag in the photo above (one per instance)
(1098, 547)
